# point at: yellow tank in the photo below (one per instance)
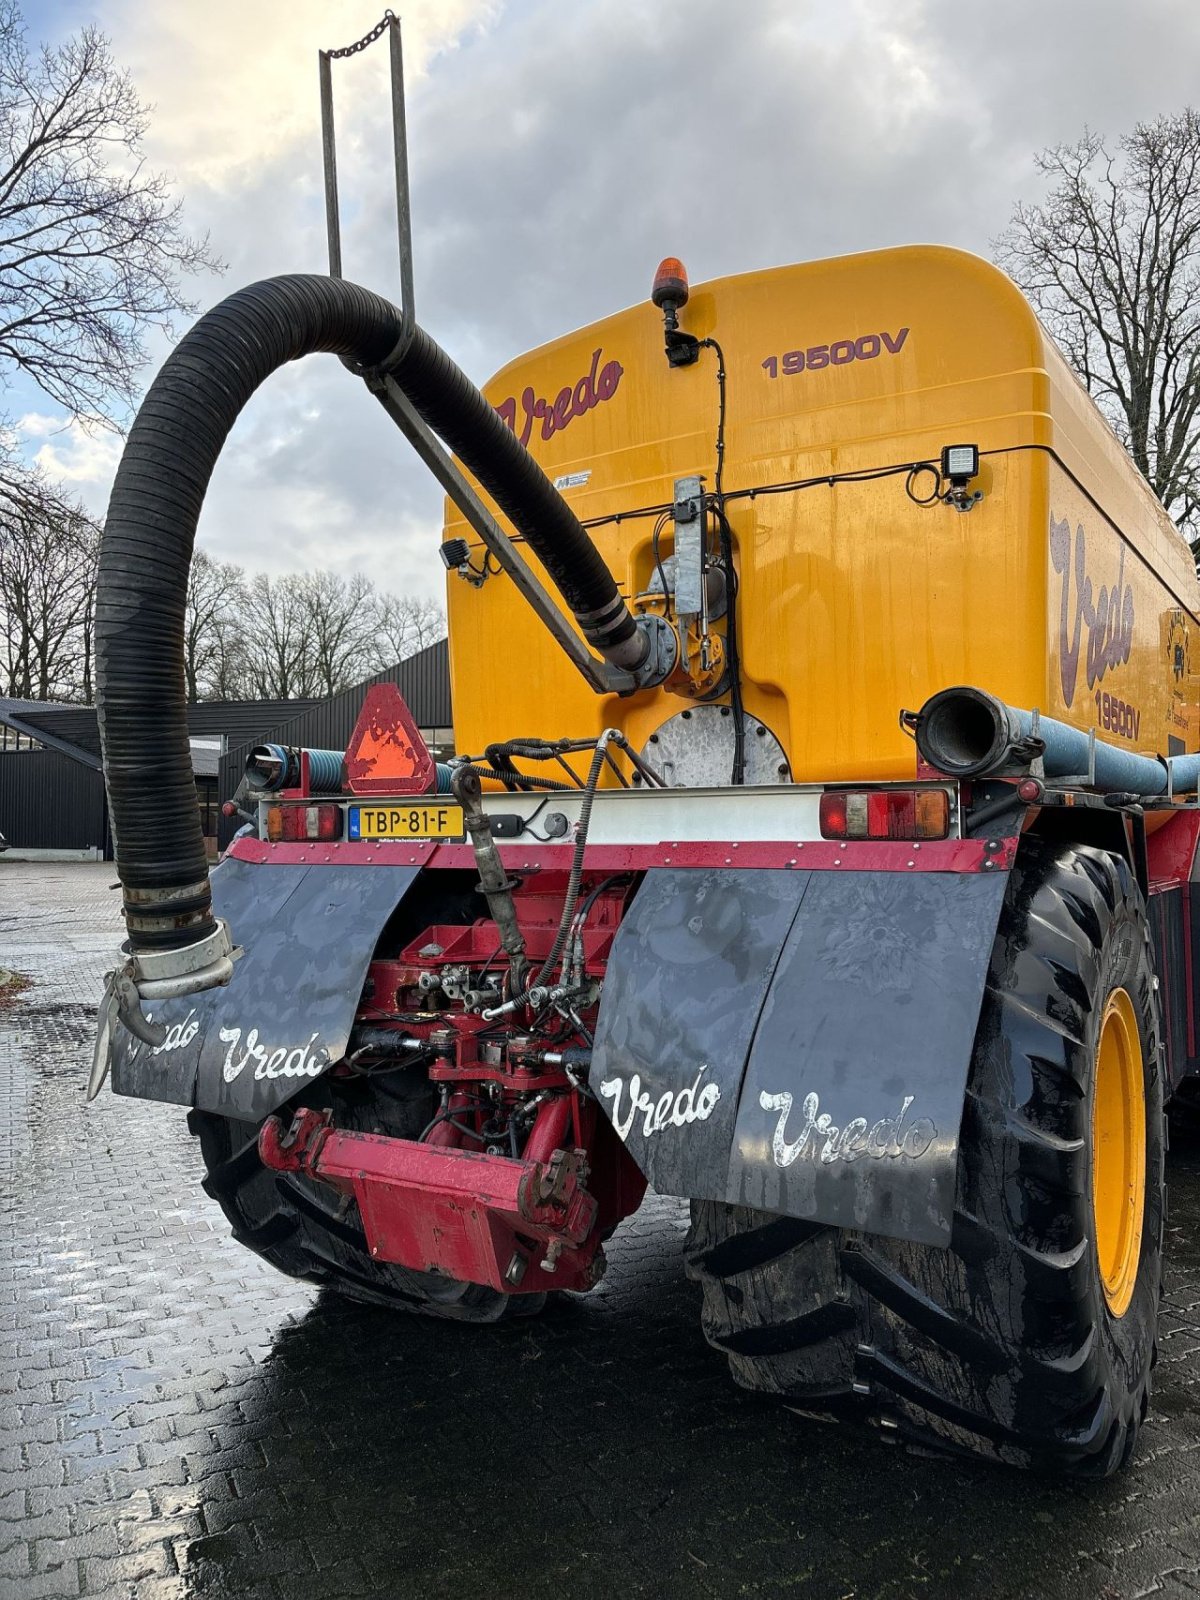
(1066, 587)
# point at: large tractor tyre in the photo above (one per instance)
(1032, 1338)
(308, 1230)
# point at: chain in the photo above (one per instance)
(367, 40)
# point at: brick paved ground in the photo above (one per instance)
(177, 1420)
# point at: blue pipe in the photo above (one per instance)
(277, 766)
(968, 733)
(1067, 753)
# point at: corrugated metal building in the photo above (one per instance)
(52, 789)
(423, 680)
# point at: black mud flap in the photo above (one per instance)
(799, 1041)
(285, 1016)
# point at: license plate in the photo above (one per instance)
(406, 822)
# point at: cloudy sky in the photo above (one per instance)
(559, 148)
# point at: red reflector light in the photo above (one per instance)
(386, 753)
(833, 816)
(295, 823)
(885, 814)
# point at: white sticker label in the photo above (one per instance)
(572, 480)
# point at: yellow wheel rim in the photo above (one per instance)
(1119, 1151)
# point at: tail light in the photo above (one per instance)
(303, 822)
(885, 814)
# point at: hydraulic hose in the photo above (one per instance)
(146, 553)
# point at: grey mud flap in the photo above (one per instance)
(799, 1041)
(308, 932)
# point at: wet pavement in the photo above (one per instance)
(178, 1420)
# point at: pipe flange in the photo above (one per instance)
(662, 654)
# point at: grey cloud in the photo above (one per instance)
(559, 154)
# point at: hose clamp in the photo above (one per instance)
(167, 974)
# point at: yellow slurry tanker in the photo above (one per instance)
(820, 846)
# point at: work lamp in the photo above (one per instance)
(960, 462)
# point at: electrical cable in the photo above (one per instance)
(914, 473)
(542, 838)
(792, 485)
(733, 658)
(519, 781)
(659, 526)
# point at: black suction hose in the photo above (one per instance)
(454, 408)
(146, 554)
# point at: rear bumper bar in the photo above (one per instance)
(518, 1226)
(810, 855)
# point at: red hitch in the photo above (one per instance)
(518, 1226)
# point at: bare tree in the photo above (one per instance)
(91, 247)
(92, 255)
(294, 637)
(213, 627)
(340, 624)
(278, 659)
(403, 626)
(47, 584)
(1111, 260)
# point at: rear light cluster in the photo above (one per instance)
(304, 822)
(885, 814)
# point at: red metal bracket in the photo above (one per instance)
(517, 1226)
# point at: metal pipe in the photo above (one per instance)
(601, 675)
(333, 227)
(968, 733)
(277, 766)
(400, 154)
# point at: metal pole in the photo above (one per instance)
(332, 224)
(400, 144)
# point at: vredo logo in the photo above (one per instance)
(1107, 613)
(598, 384)
(671, 1110)
(822, 1140)
(301, 1062)
(179, 1036)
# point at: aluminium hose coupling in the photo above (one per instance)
(157, 975)
(167, 974)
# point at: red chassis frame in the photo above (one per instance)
(523, 1226)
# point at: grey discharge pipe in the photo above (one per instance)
(146, 554)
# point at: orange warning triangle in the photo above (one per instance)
(386, 753)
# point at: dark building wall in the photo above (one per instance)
(49, 802)
(423, 680)
(237, 720)
(240, 720)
